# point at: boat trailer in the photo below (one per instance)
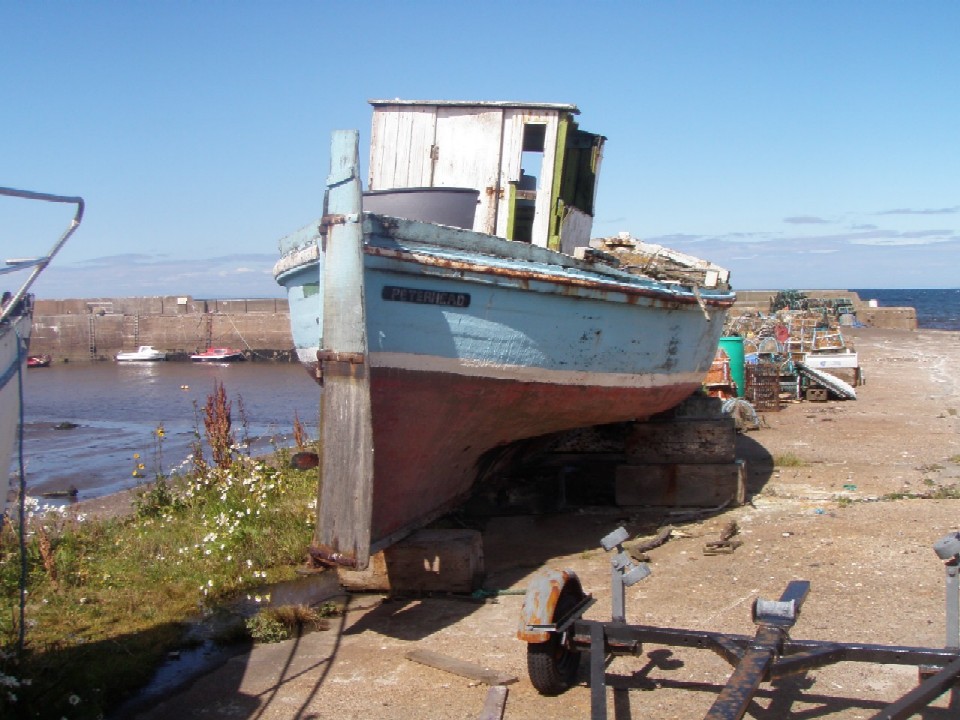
(553, 626)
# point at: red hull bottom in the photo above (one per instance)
(430, 430)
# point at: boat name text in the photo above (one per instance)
(425, 297)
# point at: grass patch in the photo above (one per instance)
(275, 624)
(106, 600)
(788, 460)
(946, 492)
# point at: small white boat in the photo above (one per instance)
(218, 355)
(144, 353)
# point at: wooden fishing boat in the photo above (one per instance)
(16, 324)
(438, 345)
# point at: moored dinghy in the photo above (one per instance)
(435, 344)
(144, 353)
(218, 355)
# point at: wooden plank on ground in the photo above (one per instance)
(494, 704)
(460, 667)
(681, 485)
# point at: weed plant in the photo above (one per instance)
(788, 460)
(106, 599)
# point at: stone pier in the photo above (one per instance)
(99, 328)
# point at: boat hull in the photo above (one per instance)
(431, 430)
(14, 343)
(218, 357)
(472, 350)
(144, 353)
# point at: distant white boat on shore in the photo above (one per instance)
(144, 353)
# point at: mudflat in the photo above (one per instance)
(843, 494)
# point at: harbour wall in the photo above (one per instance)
(889, 318)
(99, 328)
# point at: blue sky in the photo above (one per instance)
(799, 144)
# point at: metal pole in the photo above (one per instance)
(619, 599)
(598, 672)
(953, 603)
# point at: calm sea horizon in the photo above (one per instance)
(936, 309)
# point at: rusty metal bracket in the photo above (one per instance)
(328, 221)
(350, 359)
(323, 556)
(353, 358)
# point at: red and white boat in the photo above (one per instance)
(218, 355)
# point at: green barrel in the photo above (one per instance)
(733, 346)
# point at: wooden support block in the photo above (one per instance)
(460, 667)
(816, 394)
(426, 561)
(681, 485)
(682, 441)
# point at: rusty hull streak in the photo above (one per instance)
(631, 291)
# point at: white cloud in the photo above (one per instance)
(902, 240)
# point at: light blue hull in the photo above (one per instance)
(437, 346)
(507, 317)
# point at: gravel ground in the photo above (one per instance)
(873, 574)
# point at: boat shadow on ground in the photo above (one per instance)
(519, 543)
(535, 533)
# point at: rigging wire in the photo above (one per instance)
(21, 637)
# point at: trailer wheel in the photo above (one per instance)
(552, 665)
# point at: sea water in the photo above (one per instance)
(90, 426)
(936, 309)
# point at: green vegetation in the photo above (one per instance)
(106, 599)
(274, 624)
(788, 460)
(946, 492)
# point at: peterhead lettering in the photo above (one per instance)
(425, 297)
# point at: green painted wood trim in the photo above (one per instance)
(556, 207)
(511, 209)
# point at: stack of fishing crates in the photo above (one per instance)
(762, 386)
